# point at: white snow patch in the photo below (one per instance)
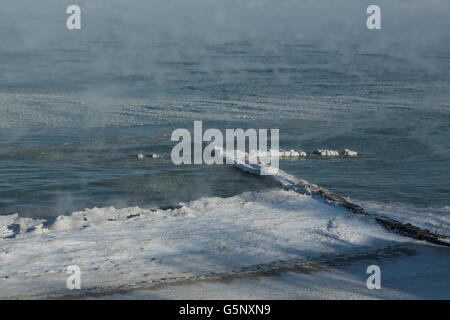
(349, 153)
(128, 247)
(326, 153)
(278, 153)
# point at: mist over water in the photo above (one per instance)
(76, 107)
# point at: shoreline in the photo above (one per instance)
(409, 271)
(251, 237)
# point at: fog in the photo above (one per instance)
(221, 50)
(310, 68)
(146, 38)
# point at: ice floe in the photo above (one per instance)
(278, 153)
(326, 153)
(349, 153)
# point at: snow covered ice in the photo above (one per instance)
(326, 153)
(349, 153)
(134, 247)
(278, 153)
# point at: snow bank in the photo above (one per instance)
(435, 219)
(211, 236)
(13, 224)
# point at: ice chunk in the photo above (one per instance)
(326, 153)
(349, 153)
(278, 153)
(157, 156)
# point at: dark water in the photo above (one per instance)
(57, 171)
(47, 179)
(76, 109)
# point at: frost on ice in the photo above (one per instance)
(278, 153)
(326, 153)
(334, 153)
